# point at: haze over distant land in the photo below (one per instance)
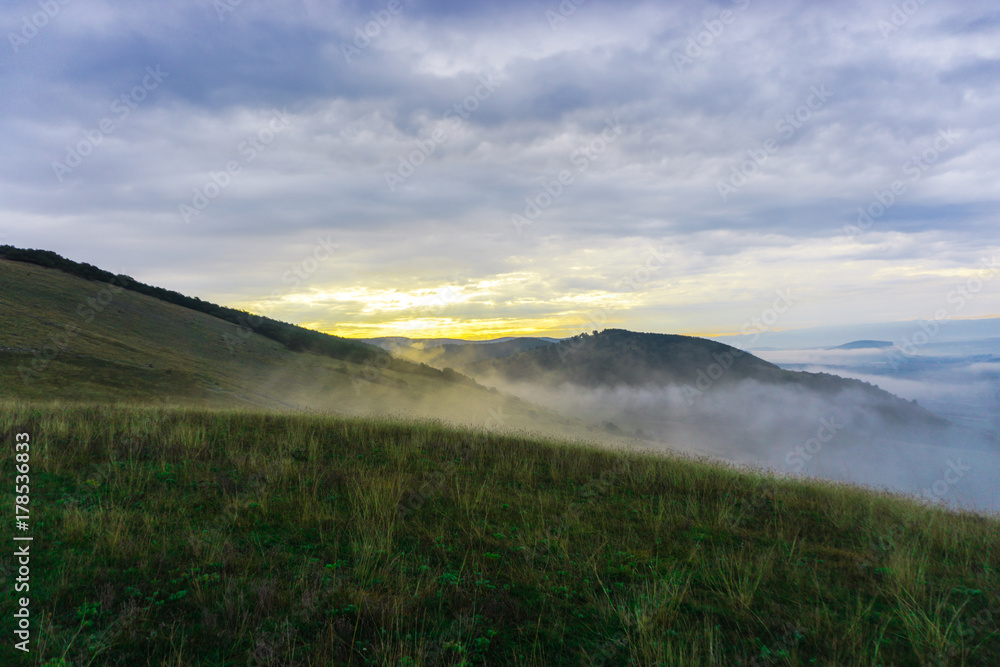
(694, 395)
(951, 367)
(483, 170)
(837, 420)
(916, 333)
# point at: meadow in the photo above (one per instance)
(194, 536)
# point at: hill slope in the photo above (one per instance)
(215, 538)
(293, 337)
(65, 337)
(615, 358)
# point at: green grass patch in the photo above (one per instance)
(196, 537)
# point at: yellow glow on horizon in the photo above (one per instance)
(480, 329)
(469, 310)
(560, 295)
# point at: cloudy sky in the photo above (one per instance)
(431, 168)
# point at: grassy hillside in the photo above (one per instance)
(293, 337)
(183, 537)
(66, 337)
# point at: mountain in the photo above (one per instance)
(293, 337)
(615, 358)
(864, 345)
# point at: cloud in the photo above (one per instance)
(359, 105)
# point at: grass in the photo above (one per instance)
(235, 537)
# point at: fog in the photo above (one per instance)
(789, 430)
(959, 381)
(786, 429)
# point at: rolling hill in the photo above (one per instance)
(864, 345)
(234, 537)
(66, 337)
(617, 358)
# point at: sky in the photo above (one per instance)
(439, 168)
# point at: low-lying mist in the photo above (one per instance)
(847, 436)
(853, 434)
(957, 380)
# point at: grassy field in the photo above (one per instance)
(198, 537)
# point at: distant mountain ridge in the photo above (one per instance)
(615, 357)
(396, 342)
(864, 345)
(619, 357)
